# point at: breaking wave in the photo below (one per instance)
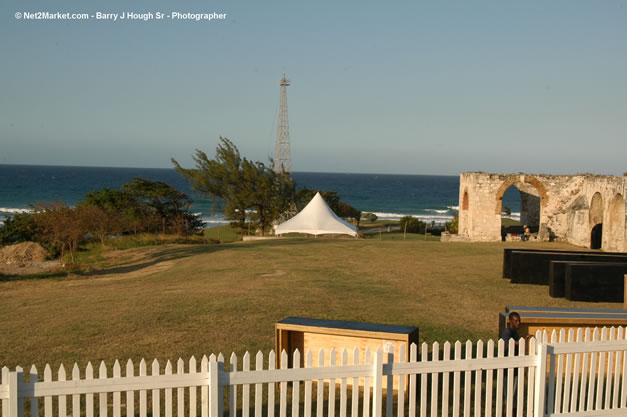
(14, 210)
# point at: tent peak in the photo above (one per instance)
(316, 218)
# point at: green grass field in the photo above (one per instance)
(173, 301)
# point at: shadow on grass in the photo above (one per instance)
(33, 277)
(165, 254)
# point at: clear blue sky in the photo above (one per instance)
(381, 87)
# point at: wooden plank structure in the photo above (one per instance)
(305, 333)
(564, 310)
(507, 256)
(595, 282)
(341, 337)
(532, 322)
(532, 267)
(558, 272)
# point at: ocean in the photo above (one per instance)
(431, 198)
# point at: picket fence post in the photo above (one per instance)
(14, 378)
(377, 389)
(540, 388)
(214, 389)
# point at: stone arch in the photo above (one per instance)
(616, 223)
(596, 221)
(596, 209)
(537, 184)
(465, 200)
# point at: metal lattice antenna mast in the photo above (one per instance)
(282, 153)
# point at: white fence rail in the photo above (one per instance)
(581, 373)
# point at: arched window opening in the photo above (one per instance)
(596, 236)
(519, 207)
(596, 221)
(465, 201)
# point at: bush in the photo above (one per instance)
(453, 225)
(413, 225)
(349, 212)
(371, 217)
(22, 227)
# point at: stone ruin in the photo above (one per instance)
(584, 210)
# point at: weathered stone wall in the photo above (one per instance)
(565, 207)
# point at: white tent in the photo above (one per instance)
(316, 219)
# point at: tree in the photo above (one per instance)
(268, 192)
(220, 179)
(412, 225)
(240, 184)
(453, 225)
(19, 228)
(151, 206)
(100, 222)
(165, 203)
(60, 226)
(371, 217)
(349, 212)
(131, 215)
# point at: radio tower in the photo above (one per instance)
(282, 153)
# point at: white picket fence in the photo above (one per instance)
(581, 373)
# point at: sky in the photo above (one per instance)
(399, 87)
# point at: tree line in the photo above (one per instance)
(139, 206)
(251, 195)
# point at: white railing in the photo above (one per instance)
(583, 373)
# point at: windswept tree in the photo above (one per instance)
(269, 193)
(220, 179)
(240, 185)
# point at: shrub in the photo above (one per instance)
(20, 228)
(453, 225)
(371, 217)
(349, 212)
(413, 225)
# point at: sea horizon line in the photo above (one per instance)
(296, 172)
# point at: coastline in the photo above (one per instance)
(390, 197)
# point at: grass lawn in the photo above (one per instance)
(173, 301)
(505, 222)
